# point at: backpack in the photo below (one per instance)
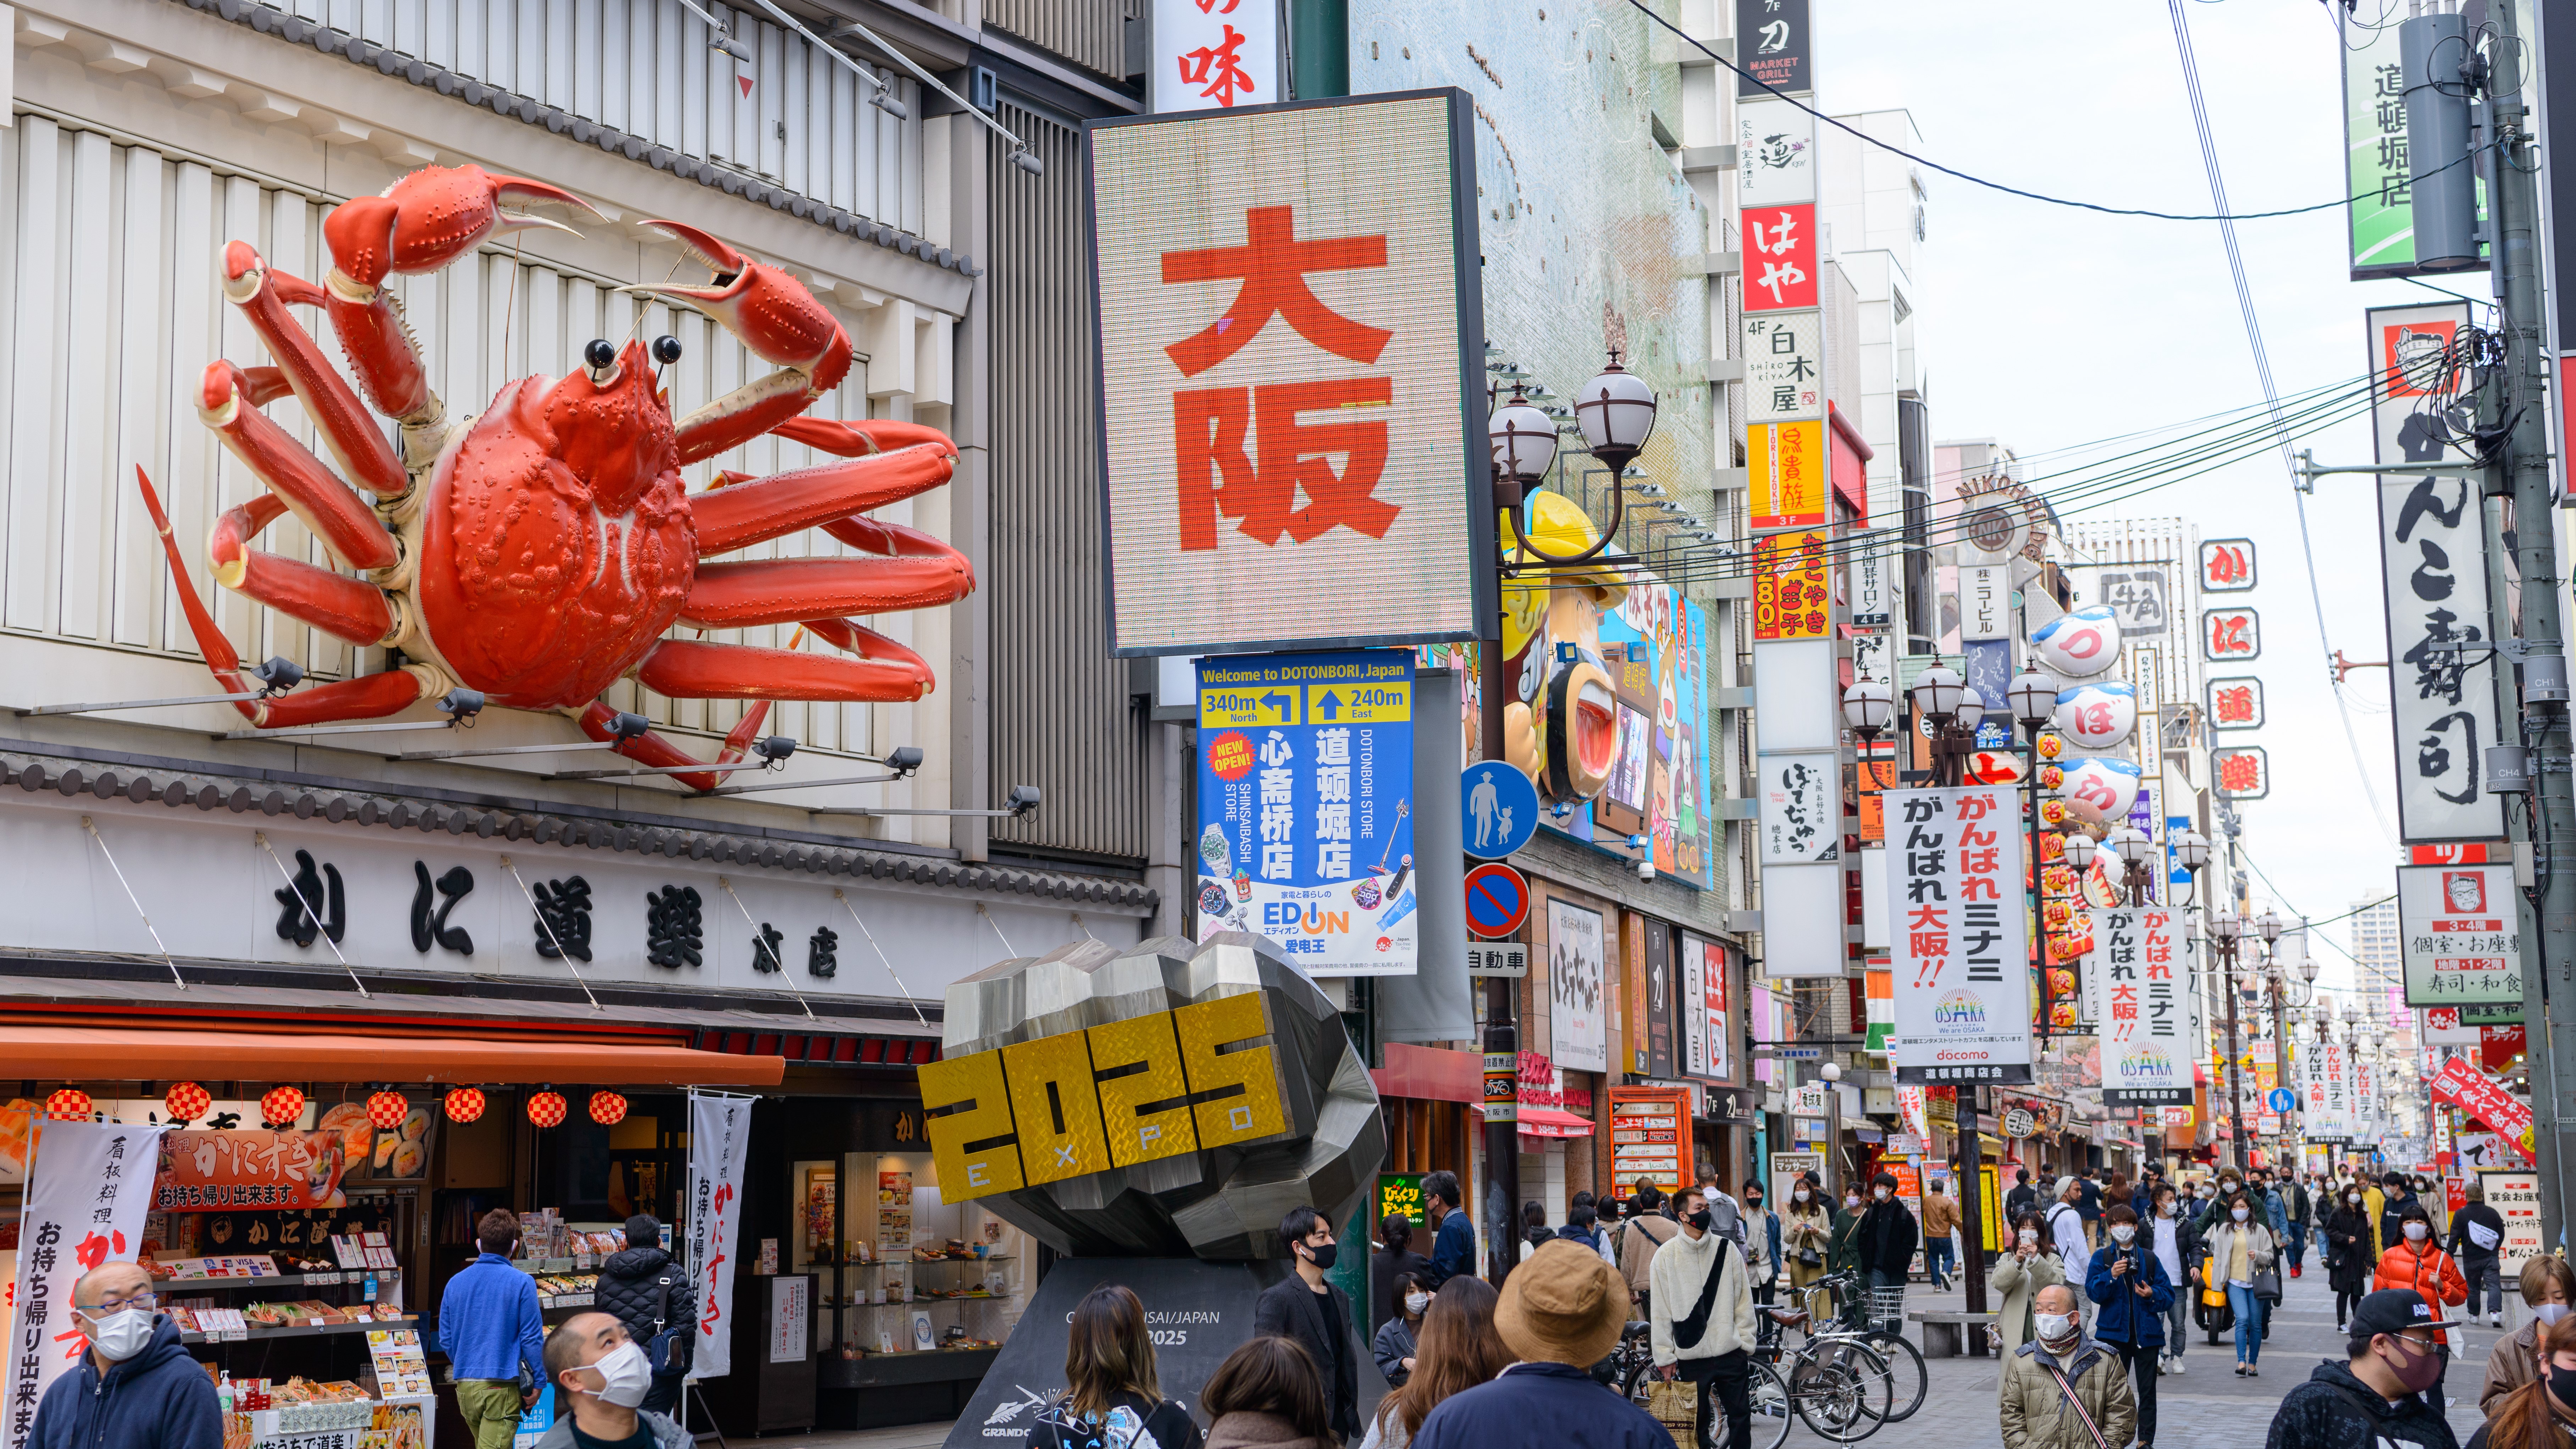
(674, 1345)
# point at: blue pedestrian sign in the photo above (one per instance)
(2282, 1099)
(1499, 809)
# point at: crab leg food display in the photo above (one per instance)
(536, 554)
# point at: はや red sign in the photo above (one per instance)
(1779, 258)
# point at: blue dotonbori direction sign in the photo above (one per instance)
(2282, 1099)
(1498, 809)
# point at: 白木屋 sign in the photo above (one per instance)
(1960, 952)
(1290, 345)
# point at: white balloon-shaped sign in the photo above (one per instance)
(2097, 716)
(2099, 791)
(2081, 644)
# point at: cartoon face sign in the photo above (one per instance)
(2099, 715)
(2464, 891)
(2099, 791)
(2081, 644)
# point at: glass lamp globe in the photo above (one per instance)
(1617, 412)
(1936, 692)
(1524, 440)
(1867, 705)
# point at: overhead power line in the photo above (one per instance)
(1951, 171)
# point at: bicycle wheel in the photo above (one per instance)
(1908, 1380)
(1842, 1393)
(1772, 1408)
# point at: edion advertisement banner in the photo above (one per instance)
(1960, 949)
(1292, 406)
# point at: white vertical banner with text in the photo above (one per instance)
(1960, 945)
(89, 1185)
(719, 1129)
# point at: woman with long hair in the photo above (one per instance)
(1456, 1349)
(1267, 1395)
(2542, 1413)
(1111, 1400)
(2240, 1246)
(2349, 1260)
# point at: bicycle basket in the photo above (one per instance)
(1887, 1309)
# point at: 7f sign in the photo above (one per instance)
(1288, 362)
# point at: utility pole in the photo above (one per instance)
(2549, 990)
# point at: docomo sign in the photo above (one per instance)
(1289, 336)
(1108, 1096)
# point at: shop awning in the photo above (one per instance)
(76, 1053)
(1549, 1122)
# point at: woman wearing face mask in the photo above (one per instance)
(1394, 1346)
(2128, 1283)
(2241, 1247)
(1806, 1235)
(2029, 1263)
(1456, 1349)
(2349, 1260)
(2418, 1263)
(2549, 1290)
(2542, 1413)
(1843, 1255)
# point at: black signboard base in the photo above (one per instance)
(1198, 1312)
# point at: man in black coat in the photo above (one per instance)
(2022, 1198)
(2377, 1398)
(1887, 1235)
(1303, 1307)
(649, 1291)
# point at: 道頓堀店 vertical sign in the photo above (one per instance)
(1960, 952)
(1305, 807)
(1290, 343)
(2432, 542)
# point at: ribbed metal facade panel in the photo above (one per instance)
(644, 67)
(1090, 33)
(110, 310)
(1061, 712)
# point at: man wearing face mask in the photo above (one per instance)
(2062, 1390)
(2177, 1247)
(1887, 1236)
(601, 1376)
(1703, 1319)
(1306, 1308)
(2377, 1399)
(2548, 1289)
(2132, 1293)
(135, 1388)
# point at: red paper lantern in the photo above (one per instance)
(281, 1106)
(386, 1110)
(546, 1109)
(607, 1108)
(186, 1101)
(70, 1104)
(464, 1104)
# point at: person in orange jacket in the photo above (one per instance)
(2415, 1261)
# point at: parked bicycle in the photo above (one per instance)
(1875, 1326)
(1632, 1369)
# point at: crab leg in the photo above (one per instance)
(363, 698)
(690, 669)
(328, 506)
(862, 436)
(792, 590)
(347, 608)
(647, 748)
(778, 320)
(353, 437)
(752, 512)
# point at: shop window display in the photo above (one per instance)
(899, 1270)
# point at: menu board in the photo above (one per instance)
(1649, 1136)
(401, 1371)
(894, 1213)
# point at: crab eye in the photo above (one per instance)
(666, 349)
(599, 354)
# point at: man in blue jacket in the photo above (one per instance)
(1453, 1241)
(2129, 1284)
(489, 1324)
(1561, 1311)
(136, 1388)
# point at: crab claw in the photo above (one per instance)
(429, 219)
(777, 319)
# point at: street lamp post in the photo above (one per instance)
(2226, 928)
(2033, 698)
(1616, 412)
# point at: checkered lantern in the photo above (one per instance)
(281, 1106)
(546, 1109)
(607, 1108)
(464, 1104)
(70, 1104)
(186, 1101)
(386, 1110)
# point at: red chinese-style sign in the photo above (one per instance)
(2236, 702)
(1779, 258)
(1792, 586)
(2230, 634)
(2227, 565)
(1217, 70)
(2245, 772)
(215, 1171)
(1243, 451)
(2485, 1098)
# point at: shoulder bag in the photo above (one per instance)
(2066, 1387)
(675, 1344)
(1687, 1332)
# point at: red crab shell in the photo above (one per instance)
(556, 544)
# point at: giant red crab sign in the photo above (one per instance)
(536, 554)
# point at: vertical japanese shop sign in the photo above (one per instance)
(1784, 364)
(1960, 951)
(1305, 811)
(1694, 1021)
(1216, 54)
(1775, 153)
(1779, 257)
(719, 1130)
(2516, 1198)
(1775, 48)
(88, 1191)
(1712, 1003)
(1786, 465)
(1577, 988)
(1289, 341)
(2460, 934)
(1792, 587)
(2432, 540)
(1661, 1017)
(1801, 804)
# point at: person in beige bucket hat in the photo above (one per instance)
(1562, 1311)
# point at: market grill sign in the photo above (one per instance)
(1289, 336)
